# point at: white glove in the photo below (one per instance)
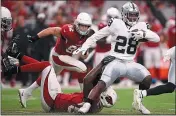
(138, 35)
(80, 50)
(167, 56)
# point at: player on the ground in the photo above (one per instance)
(126, 34)
(52, 98)
(167, 88)
(70, 38)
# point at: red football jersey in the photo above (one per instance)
(69, 41)
(172, 36)
(63, 101)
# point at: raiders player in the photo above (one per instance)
(126, 35)
(167, 88)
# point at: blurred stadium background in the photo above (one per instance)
(30, 17)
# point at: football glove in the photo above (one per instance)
(84, 51)
(140, 34)
(167, 56)
(32, 39)
(13, 50)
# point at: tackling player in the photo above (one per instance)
(167, 88)
(52, 98)
(126, 34)
(70, 38)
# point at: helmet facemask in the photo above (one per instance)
(130, 13)
(132, 18)
(6, 24)
(82, 29)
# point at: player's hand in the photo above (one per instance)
(167, 56)
(83, 51)
(140, 34)
(32, 39)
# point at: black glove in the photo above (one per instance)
(13, 50)
(12, 69)
(9, 68)
(33, 39)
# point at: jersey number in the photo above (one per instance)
(71, 48)
(122, 41)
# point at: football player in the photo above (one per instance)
(52, 98)
(126, 35)
(167, 88)
(6, 25)
(70, 38)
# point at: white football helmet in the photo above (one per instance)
(83, 19)
(130, 13)
(6, 19)
(113, 13)
(108, 97)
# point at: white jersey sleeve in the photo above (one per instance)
(95, 37)
(149, 35)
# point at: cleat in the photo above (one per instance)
(137, 102)
(23, 97)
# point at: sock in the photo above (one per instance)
(144, 93)
(81, 86)
(38, 81)
(28, 60)
(167, 88)
(34, 67)
(32, 87)
(88, 100)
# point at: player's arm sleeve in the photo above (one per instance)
(151, 36)
(95, 37)
(50, 31)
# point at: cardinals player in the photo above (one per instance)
(70, 38)
(52, 98)
(103, 46)
(126, 34)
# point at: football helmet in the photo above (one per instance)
(6, 19)
(85, 20)
(130, 13)
(113, 13)
(108, 97)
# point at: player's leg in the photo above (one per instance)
(167, 88)
(111, 72)
(25, 93)
(50, 88)
(69, 63)
(61, 62)
(94, 75)
(139, 73)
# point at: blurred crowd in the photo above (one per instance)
(30, 17)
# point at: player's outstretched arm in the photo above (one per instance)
(46, 32)
(50, 31)
(91, 79)
(95, 37)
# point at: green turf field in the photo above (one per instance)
(162, 104)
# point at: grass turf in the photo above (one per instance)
(162, 104)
